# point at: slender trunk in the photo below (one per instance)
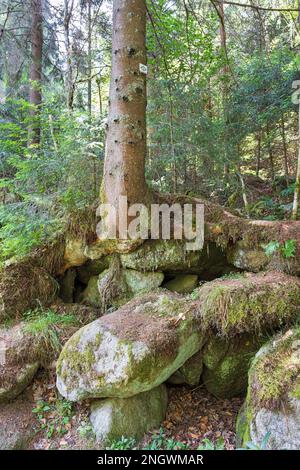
(244, 194)
(98, 81)
(171, 125)
(223, 37)
(258, 154)
(125, 153)
(285, 156)
(35, 93)
(270, 151)
(297, 185)
(70, 85)
(89, 57)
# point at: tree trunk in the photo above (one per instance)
(258, 154)
(270, 151)
(125, 153)
(70, 85)
(285, 156)
(89, 57)
(223, 37)
(297, 186)
(35, 93)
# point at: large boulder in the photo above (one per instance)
(113, 418)
(226, 364)
(252, 257)
(24, 286)
(74, 252)
(272, 407)
(17, 424)
(248, 258)
(250, 303)
(20, 355)
(130, 284)
(172, 256)
(91, 295)
(131, 350)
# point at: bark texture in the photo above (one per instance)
(35, 75)
(124, 167)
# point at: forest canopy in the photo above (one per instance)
(221, 122)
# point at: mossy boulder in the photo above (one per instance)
(18, 423)
(273, 399)
(20, 357)
(226, 364)
(15, 380)
(190, 372)
(130, 351)
(113, 418)
(74, 252)
(91, 294)
(24, 286)
(252, 257)
(250, 303)
(247, 258)
(130, 284)
(172, 256)
(183, 283)
(138, 282)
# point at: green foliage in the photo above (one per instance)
(46, 324)
(272, 247)
(207, 444)
(160, 442)
(85, 430)
(46, 183)
(125, 443)
(262, 446)
(54, 417)
(287, 249)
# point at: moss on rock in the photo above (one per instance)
(113, 418)
(131, 350)
(273, 401)
(227, 363)
(24, 286)
(253, 304)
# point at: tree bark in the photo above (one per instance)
(258, 154)
(285, 154)
(125, 153)
(89, 57)
(297, 185)
(70, 85)
(35, 74)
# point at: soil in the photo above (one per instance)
(193, 415)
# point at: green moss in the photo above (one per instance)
(275, 374)
(251, 304)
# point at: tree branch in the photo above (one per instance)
(246, 5)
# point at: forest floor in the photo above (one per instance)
(193, 415)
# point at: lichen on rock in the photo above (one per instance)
(131, 350)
